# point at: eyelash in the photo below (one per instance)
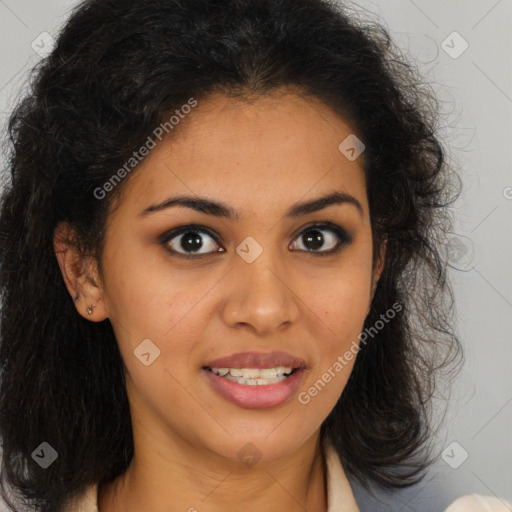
(343, 236)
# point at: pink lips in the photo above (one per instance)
(257, 360)
(261, 396)
(256, 397)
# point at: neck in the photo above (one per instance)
(183, 478)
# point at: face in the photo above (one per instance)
(261, 280)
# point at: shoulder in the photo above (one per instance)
(479, 503)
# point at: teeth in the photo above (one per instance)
(250, 373)
(254, 376)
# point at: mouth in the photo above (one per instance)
(254, 376)
(256, 380)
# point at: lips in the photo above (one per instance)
(257, 360)
(255, 396)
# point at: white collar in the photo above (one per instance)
(339, 492)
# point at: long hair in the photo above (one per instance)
(117, 71)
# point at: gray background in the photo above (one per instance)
(476, 92)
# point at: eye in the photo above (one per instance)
(189, 239)
(313, 239)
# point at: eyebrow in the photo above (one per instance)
(211, 207)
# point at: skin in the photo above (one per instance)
(259, 158)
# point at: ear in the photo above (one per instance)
(80, 274)
(379, 266)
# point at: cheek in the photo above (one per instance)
(345, 309)
(342, 299)
(346, 305)
(148, 301)
(345, 318)
(139, 293)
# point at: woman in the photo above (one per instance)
(221, 271)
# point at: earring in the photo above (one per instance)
(90, 308)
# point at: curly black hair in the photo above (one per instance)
(118, 69)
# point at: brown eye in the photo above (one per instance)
(195, 241)
(328, 237)
(188, 241)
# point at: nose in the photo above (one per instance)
(261, 295)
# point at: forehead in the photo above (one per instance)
(272, 149)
